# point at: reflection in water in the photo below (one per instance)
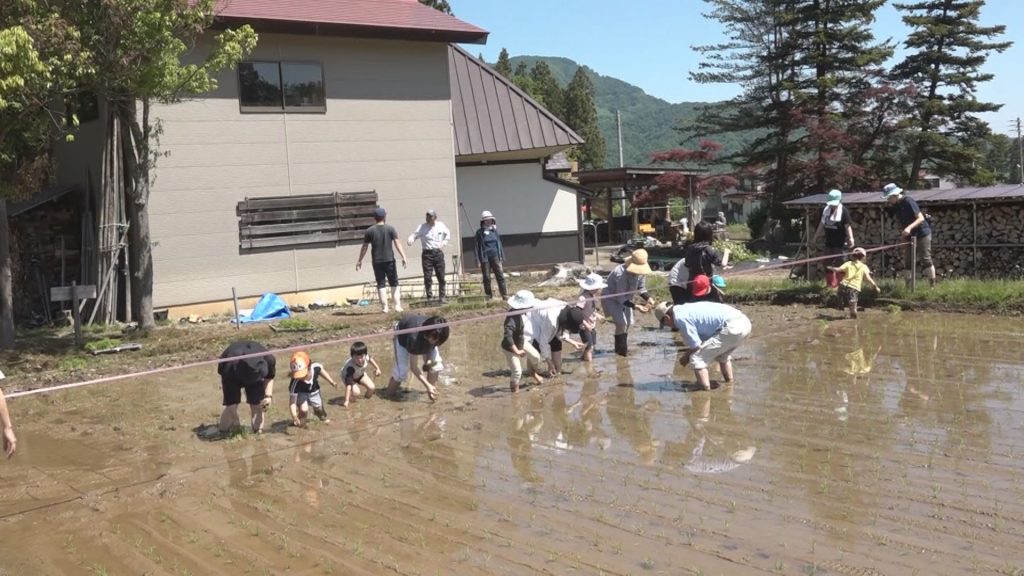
(632, 422)
(717, 441)
(526, 421)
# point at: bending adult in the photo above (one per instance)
(837, 228)
(913, 224)
(254, 375)
(10, 442)
(548, 325)
(711, 331)
(383, 241)
(490, 254)
(701, 257)
(410, 347)
(434, 236)
(625, 283)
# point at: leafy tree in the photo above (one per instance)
(40, 61)
(441, 5)
(949, 48)
(549, 93)
(504, 66)
(581, 116)
(138, 46)
(682, 185)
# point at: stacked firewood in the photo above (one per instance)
(999, 228)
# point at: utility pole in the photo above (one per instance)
(1020, 154)
(618, 128)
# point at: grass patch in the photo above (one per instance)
(295, 324)
(72, 363)
(102, 344)
(960, 293)
(738, 250)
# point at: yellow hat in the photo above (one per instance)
(637, 263)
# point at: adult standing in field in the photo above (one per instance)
(10, 442)
(254, 374)
(434, 236)
(837, 228)
(625, 283)
(701, 257)
(383, 239)
(490, 254)
(914, 224)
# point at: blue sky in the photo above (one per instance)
(647, 42)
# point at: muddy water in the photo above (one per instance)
(888, 446)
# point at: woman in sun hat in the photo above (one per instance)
(837, 227)
(587, 301)
(624, 283)
(490, 254)
(912, 223)
(514, 342)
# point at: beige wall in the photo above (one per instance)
(387, 127)
(519, 197)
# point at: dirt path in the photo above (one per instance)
(890, 446)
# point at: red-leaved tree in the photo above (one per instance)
(682, 184)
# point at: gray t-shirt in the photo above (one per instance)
(381, 239)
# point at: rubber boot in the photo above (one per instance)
(382, 295)
(931, 275)
(621, 347)
(396, 294)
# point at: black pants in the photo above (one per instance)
(493, 263)
(433, 263)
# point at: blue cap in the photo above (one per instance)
(718, 281)
(379, 213)
(834, 198)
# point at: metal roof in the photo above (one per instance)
(973, 194)
(628, 176)
(40, 198)
(385, 18)
(493, 116)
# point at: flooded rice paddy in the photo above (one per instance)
(890, 445)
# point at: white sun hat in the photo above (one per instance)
(522, 300)
(593, 281)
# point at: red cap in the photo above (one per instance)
(701, 285)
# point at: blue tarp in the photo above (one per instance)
(270, 307)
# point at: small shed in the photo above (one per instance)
(975, 231)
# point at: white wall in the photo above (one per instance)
(387, 128)
(519, 197)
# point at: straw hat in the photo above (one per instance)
(522, 300)
(637, 263)
(593, 281)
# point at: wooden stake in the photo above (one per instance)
(234, 296)
(76, 314)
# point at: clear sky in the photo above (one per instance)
(647, 42)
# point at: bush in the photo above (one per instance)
(103, 344)
(739, 250)
(755, 221)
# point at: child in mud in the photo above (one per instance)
(854, 272)
(354, 375)
(514, 342)
(587, 301)
(304, 389)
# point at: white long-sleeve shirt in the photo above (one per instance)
(542, 325)
(433, 237)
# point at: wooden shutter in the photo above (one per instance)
(284, 221)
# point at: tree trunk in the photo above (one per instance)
(140, 249)
(6, 287)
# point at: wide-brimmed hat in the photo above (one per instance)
(486, 215)
(522, 300)
(299, 366)
(858, 251)
(593, 281)
(661, 310)
(701, 285)
(637, 263)
(891, 190)
(834, 198)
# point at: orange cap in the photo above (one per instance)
(300, 365)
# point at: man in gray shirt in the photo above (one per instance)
(383, 239)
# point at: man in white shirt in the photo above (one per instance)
(434, 235)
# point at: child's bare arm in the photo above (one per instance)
(871, 280)
(329, 379)
(376, 367)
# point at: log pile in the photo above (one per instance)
(1000, 234)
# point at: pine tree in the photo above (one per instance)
(551, 94)
(949, 48)
(504, 65)
(581, 115)
(441, 5)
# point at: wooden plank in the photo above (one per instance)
(63, 293)
(301, 239)
(292, 228)
(313, 214)
(307, 200)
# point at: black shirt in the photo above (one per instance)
(835, 230)
(416, 343)
(514, 333)
(308, 385)
(906, 212)
(254, 370)
(381, 239)
(701, 258)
